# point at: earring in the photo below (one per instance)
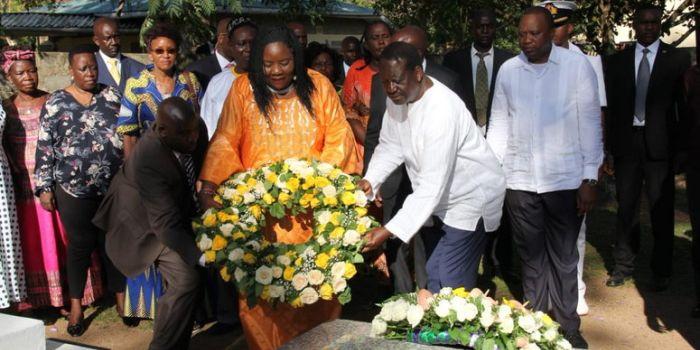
(294, 78)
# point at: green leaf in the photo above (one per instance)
(277, 210)
(358, 259)
(488, 344)
(345, 296)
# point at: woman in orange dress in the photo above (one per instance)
(358, 82)
(278, 110)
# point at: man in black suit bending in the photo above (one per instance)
(644, 84)
(397, 186)
(222, 57)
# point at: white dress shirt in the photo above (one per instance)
(214, 98)
(223, 61)
(454, 174)
(597, 64)
(346, 68)
(545, 127)
(651, 56)
(488, 60)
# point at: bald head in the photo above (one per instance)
(176, 125)
(413, 35)
(106, 36)
(299, 32)
(223, 46)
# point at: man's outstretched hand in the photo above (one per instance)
(375, 238)
(366, 187)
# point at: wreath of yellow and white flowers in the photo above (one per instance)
(232, 238)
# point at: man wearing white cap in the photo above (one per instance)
(562, 13)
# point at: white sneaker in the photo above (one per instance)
(582, 307)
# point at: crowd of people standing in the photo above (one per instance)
(482, 156)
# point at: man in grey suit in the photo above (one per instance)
(147, 216)
(113, 68)
(395, 189)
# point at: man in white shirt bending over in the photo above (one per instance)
(458, 185)
(546, 129)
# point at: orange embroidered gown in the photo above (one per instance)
(357, 88)
(243, 140)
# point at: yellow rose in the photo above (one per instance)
(293, 184)
(251, 182)
(296, 302)
(308, 182)
(268, 199)
(256, 211)
(348, 198)
(249, 258)
(334, 174)
(210, 220)
(298, 261)
(224, 274)
(314, 202)
(326, 291)
(283, 197)
(219, 243)
(271, 177)
(238, 235)
(209, 256)
(237, 199)
(361, 229)
(322, 260)
(546, 320)
(335, 218)
(305, 200)
(322, 182)
(288, 273)
(350, 270)
(221, 216)
(241, 189)
(337, 233)
(333, 252)
(218, 199)
(265, 295)
(460, 292)
(360, 212)
(330, 201)
(349, 186)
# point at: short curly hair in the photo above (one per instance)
(162, 30)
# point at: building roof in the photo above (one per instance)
(77, 16)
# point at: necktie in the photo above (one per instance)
(640, 97)
(481, 90)
(114, 70)
(188, 165)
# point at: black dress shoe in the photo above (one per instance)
(617, 279)
(660, 284)
(131, 322)
(696, 311)
(576, 340)
(76, 330)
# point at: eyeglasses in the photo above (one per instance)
(160, 51)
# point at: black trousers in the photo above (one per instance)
(499, 249)
(83, 239)
(693, 191)
(632, 173)
(545, 229)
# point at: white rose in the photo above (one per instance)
(351, 237)
(260, 188)
(280, 184)
(299, 281)
(338, 269)
(564, 344)
(226, 229)
(329, 191)
(360, 198)
(204, 243)
(276, 272)
(527, 323)
(321, 240)
(324, 217)
(254, 245)
(365, 221)
(536, 336)
(487, 319)
(503, 312)
(414, 315)
(263, 275)
(339, 285)
(399, 311)
(251, 220)
(284, 260)
(248, 198)
(306, 171)
(310, 252)
(238, 274)
(308, 296)
(506, 326)
(385, 312)
(531, 346)
(469, 313)
(550, 334)
(443, 308)
(276, 292)
(229, 193)
(235, 255)
(378, 327)
(457, 303)
(324, 169)
(446, 291)
(315, 277)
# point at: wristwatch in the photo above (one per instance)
(591, 182)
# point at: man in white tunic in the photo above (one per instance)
(458, 185)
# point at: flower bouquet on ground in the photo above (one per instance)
(469, 319)
(233, 237)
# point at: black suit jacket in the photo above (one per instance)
(204, 69)
(377, 107)
(129, 68)
(460, 61)
(663, 121)
(149, 207)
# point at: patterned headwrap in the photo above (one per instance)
(11, 56)
(239, 22)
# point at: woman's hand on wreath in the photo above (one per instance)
(205, 196)
(425, 297)
(375, 238)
